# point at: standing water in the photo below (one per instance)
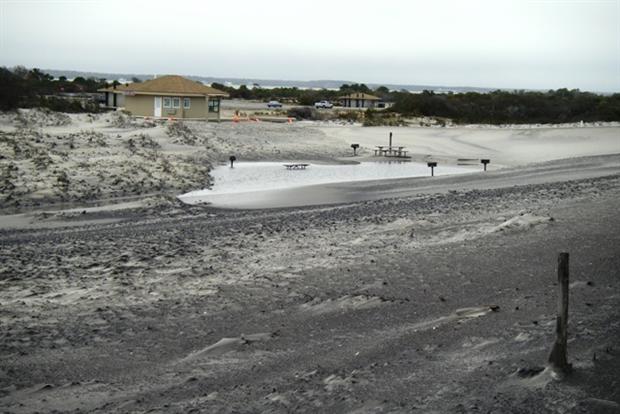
(254, 177)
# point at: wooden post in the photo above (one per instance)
(232, 160)
(390, 140)
(557, 358)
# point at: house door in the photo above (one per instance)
(157, 109)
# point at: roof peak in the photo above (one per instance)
(172, 84)
(360, 95)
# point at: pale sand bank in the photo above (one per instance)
(504, 146)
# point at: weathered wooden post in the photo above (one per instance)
(485, 162)
(355, 147)
(390, 139)
(432, 165)
(557, 358)
(232, 160)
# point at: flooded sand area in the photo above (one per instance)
(250, 184)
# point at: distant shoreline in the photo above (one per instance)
(277, 83)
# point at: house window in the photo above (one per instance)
(186, 103)
(176, 102)
(167, 103)
(214, 105)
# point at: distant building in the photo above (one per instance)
(384, 104)
(359, 100)
(166, 96)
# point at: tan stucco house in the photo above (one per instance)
(359, 100)
(168, 96)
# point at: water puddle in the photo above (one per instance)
(256, 178)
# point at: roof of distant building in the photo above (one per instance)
(361, 95)
(166, 85)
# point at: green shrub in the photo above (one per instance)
(304, 112)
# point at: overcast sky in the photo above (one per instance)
(510, 44)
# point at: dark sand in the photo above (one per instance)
(375, 306)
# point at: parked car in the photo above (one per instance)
(323, 104)
(274, 104)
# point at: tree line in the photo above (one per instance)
(292, 94)
(20, 87)
(27, 88)
(497, 107)
(517, 107)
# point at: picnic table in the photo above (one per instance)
(296, 166)
(390, 151)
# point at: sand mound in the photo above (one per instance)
(522, 222)
(475, 312)
(121, 119)
(181, 133)
(87, 165)
(342, 304)
(162, 201)
(225, 345)
(40, 117)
